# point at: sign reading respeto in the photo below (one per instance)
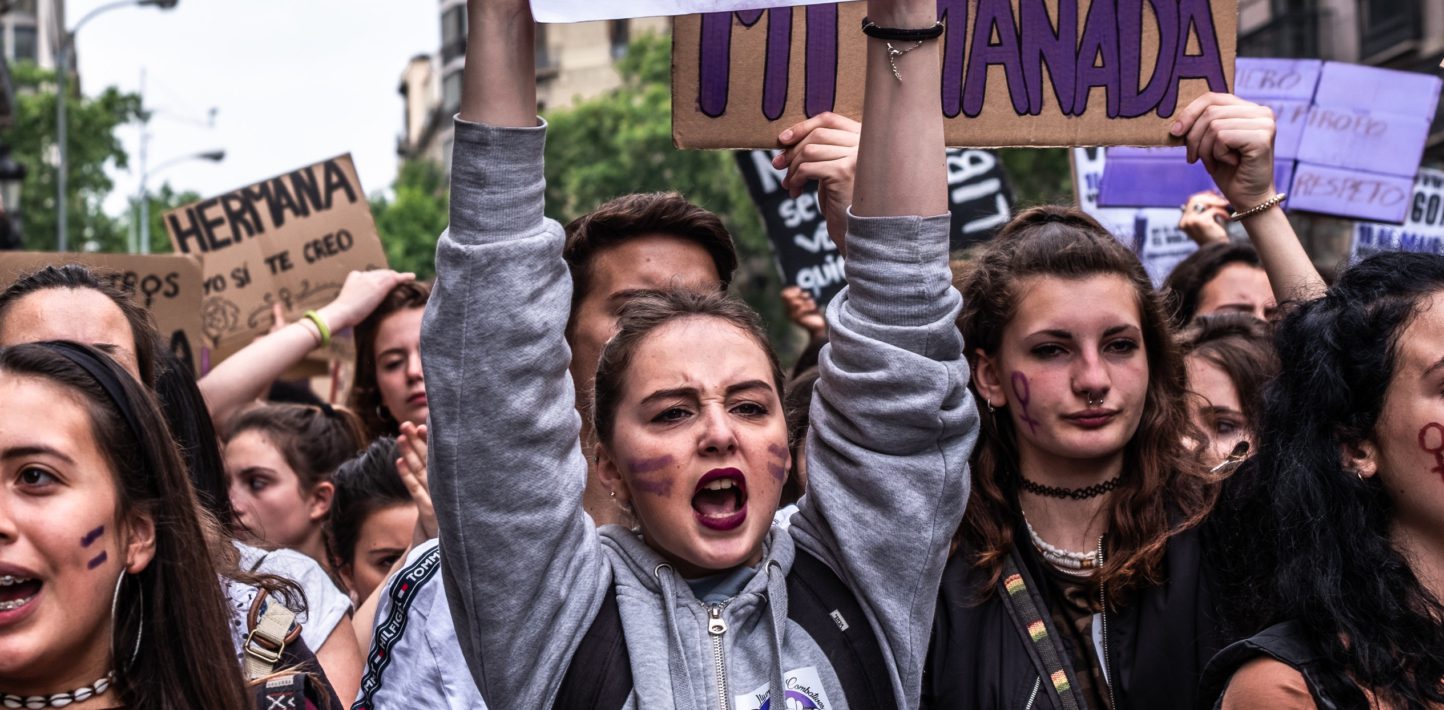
(1014, 72)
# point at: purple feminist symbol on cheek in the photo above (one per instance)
(1431, 440)
(643, 481)
(1021, 393)
(778, 466)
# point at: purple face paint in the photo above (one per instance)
(640, 468)
(1431, 440)
(92, 536)
(97, 561)
(1021, 393)
(777, 468)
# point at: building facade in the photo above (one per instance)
(574, 62)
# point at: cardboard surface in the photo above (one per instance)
(1422, 230)
(586, 10)
(167, 285)
(1011, 76)
(291, 239)
(978, 194)
(1151, 232)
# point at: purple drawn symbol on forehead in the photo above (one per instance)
(92, 536)
(97, 561)
(777, 468)
(1021, 393)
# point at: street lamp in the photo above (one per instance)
(214, 156)
(62, 77)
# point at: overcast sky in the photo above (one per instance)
(294, 81)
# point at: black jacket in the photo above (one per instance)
(1158, 644)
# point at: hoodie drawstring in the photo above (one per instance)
(777, 609)
(676, 657)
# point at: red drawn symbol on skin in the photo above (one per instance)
(1433, 444)
(1020, 393)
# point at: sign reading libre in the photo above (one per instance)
(291, 240)
(1014, 72)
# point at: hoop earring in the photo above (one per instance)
(115, 618)
(990, 406)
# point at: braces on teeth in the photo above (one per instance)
(7, 580)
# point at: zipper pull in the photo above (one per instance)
(715, 625)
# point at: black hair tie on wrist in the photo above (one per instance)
(899, 34)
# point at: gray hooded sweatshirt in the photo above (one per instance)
(893, 425)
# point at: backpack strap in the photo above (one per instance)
(272, 627)
(826, 608)
(1287, 644)
(1039, 636)
(600, 674)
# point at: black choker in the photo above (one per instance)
(1084, 493)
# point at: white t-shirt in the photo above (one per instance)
(415, 660)
(326, 605)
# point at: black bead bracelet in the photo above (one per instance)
(898, 34)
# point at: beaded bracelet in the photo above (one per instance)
(1256, 209)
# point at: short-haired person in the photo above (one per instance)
(1230, 357)
(690, 429)
(108, 593)
(1343, 557)
(1221, 277)
(1078, 580)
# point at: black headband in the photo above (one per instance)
(104, 374)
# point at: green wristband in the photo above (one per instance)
(316, 318)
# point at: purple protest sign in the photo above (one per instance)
(1378, 90)
(1365, 140)
(1150, 177)
(1256, 79)
(1350, 193)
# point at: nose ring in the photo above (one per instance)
(1092, 403)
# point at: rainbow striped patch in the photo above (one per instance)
(1037, 631)
(1014, 584)
(1060, 681)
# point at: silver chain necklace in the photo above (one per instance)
(59, 700)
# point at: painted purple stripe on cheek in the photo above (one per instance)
(97, 561)
(659, 487)
(92, 536)
(649, 465)
(778, 468)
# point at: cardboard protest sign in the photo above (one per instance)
(978, 195)
(291, 239)
(1422, 231)
(1152, 232)
(587, 10)
(1015, 72)
(167, 285)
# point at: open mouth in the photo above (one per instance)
(720, 501)
(16, 592)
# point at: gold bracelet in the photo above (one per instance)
(1264, 206)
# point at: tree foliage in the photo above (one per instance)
(410, 221)
(92, 148)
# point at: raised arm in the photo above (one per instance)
(520, 559)
(892, 421)
(243, 377)
(1235, 140)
